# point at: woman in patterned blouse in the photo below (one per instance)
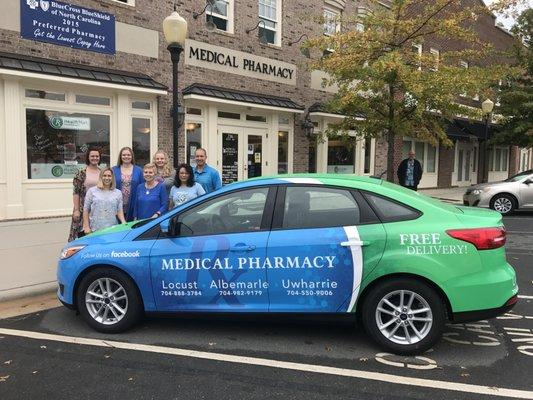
(84, 179)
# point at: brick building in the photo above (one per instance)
(97, 72)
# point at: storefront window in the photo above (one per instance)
(420, 152)
(141, 140)
(57, 142)
(141, 105)
(99, 101)
(194, 141)
(368, 154)
(431, 158)
(311, 162)
(283, 152)
(406, 146)
(41, 94)
(341, 157)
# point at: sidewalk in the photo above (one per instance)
(29, 250)
(454, 195)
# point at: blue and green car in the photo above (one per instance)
(401, 263)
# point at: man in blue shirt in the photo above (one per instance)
(410, 172)
(204, 174)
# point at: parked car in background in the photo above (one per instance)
(506, 196)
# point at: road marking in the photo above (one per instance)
(264, 362)
(522, 296)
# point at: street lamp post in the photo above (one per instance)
(487, 106)
(175, 31)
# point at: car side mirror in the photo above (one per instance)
(528, 181)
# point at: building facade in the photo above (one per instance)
(97, 72)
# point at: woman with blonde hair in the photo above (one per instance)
(103, 204)
(128, 177)
(151, 199)
(164, 172)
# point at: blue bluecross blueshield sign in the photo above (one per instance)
(67, 25)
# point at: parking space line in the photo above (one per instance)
(523, 296)
(264, 362)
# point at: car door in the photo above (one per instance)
(526, 192)
(323, 241)
(208, 260)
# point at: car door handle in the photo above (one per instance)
(354, 243)
(242, 247)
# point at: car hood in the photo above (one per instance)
(491, 185)
(108, 235)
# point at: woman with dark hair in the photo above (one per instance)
(128, 177)
(184, 189)
(84, 179)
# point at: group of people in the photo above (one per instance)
(103, 197)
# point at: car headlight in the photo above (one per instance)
(69, 252)
(477, 191)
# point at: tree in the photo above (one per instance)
(516, 97)
(381, 75)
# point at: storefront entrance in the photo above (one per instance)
(465, 171)
(242, 153)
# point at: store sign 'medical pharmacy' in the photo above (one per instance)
(67, 25)
(205, 55)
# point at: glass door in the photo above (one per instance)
(254, 151)
(242, 153)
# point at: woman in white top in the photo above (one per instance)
(103, 204)
(184, 189)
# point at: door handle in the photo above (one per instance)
(242, 247)
(354, 243)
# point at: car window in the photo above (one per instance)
(316, 207)
(234, 212)
(390, 210)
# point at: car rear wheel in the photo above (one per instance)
(404, 316)
(108, 300)
(503, 203)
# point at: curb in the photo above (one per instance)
(28, 291)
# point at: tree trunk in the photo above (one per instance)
(390, 136)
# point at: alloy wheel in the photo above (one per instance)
(503, 205)
(106, 301)
(404, 317)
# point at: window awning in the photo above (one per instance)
(320, 110)
(229, 96)
(28, 66)
(461, 128)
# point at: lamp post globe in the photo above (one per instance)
(487, 106)
(175, 31)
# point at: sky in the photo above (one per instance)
(509, 22)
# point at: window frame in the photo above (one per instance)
(266, 219)
(380, 215)
(230, 18)
(435, 53)
(130, 3)
(278, 30)
(367, 215)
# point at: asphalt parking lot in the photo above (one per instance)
(53, 353)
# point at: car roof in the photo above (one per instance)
(341, 179)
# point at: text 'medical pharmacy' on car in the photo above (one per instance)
(308, 244)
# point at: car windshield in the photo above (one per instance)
(519, 176)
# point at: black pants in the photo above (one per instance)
(415, 188)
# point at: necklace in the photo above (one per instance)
(148, 188)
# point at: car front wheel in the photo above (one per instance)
(108, 300)
(404, 316)
(503, 203)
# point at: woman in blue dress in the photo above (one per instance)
(128, 177)
(151, 199)
(184, 189)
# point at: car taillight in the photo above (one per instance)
(482, 238)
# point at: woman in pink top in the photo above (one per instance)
(84, 179)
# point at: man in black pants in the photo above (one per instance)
(410, 172)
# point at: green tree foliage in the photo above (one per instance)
(380, 74)
(517, 95)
